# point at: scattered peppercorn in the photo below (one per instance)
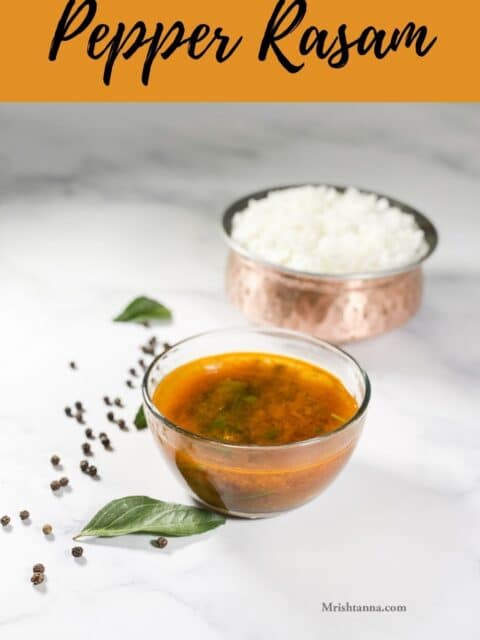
(129, 384)
(147, 351)
(79, 406)
(47, 529)
(122, 424)
(92, 470)
(160, 543)
(64, 481)
(84, 465)
(132, 372)
(153, 341)
(5, 520)
(77, 552)
(110, 416)
(87, 449)
(106, 443)
(38, 568)
(118, 403)
(79, 418)
(89, 434)
(72, 365)
(107, 401)
(142, 364)
(55, 460)
(68, 412)
(37, 578)
(24, 515)
(55, 485)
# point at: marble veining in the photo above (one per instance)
(99, 203)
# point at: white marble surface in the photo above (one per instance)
(100, 203)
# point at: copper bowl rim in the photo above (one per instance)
(361, 411)
(431, 236)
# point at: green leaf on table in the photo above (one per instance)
(144, 309)
(140, 421)
(140, 514)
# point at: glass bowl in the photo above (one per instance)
(255, 481)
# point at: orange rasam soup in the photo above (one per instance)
(254, 400)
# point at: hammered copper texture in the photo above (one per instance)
(335, 310)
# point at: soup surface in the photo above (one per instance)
(254, 398)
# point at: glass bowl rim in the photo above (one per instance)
(259, 330)
(431, 235)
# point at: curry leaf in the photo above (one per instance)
(140, 514)
(140, 421)
(143, 309)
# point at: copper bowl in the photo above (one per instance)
(337, 308)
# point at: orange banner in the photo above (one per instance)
(213, 50)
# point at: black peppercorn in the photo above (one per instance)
(160, 543)
(63, 481)
(92, 470)
(84, 465)
(55, 485)
(110, 416)
(5, 520)
(24, 515)
(129, 384)
(87, 449)
(38, 568)
(72, 365)
(47, 529)
(122, 424)
(118, 403)
(77, 552)
(147, 351)
(37, 578)
(89, 434)
(79, 406)
(79, 418)
(132, 372)
(106, 443)
(55, 460)
(68, 412)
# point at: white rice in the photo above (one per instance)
(321, 230)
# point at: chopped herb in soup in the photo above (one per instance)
(254, 398)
